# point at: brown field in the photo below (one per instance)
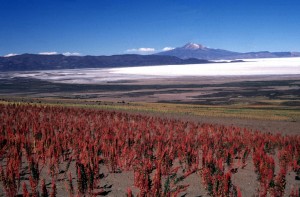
(268, 103)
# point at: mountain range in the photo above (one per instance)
(190, 53)
(27, 62)
(192, 50)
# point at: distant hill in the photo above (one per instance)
(192, 50)
(190, 53)
(27, 62)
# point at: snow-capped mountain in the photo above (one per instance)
(193, 50)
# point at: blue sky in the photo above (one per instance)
(105, 27)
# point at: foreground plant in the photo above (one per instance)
(161, 152)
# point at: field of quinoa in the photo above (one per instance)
(68, 151)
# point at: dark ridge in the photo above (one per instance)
(28, 62)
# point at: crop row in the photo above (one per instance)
(161, 153)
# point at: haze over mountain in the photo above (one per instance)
(192, 50)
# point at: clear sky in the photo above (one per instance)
(105, 27)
